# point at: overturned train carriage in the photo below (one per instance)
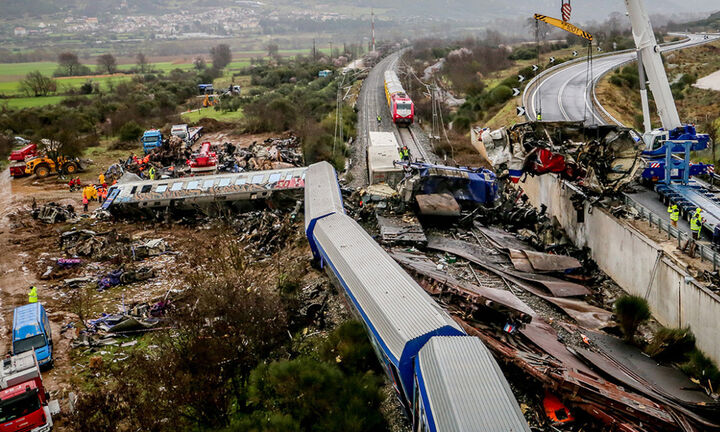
(402, 320)
(132, 194)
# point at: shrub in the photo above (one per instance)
(701, 367)
(631, 311)
(130, 131)
(671, 344)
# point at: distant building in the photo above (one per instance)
(91, 21)
(20, 31)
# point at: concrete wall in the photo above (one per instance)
(629, 257)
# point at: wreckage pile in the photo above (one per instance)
(273, 153)
(51, 213)
(174, 157)
(533, 310)
(264, 232)
(600, 159)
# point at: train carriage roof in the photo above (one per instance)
(322, 193)
(464, 389)
(399, 310)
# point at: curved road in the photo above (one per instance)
(566, 93)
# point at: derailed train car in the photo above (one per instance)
(446, 380)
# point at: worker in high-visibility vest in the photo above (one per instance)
(696, 223)
(101, 178)
(151, 173)
(674, 214)
(32, 296)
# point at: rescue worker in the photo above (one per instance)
(151, 173)
(539, 117)
(32, 296)
(85, 202)
(101, 178)
(404, 153)
(379, 119)
(696, 223)
(674, 214)
(716, 238)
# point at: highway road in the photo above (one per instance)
(566, 93)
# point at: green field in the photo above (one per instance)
(195, 116)
(30, 102)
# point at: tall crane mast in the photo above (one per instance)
(675, 137)
(649, 52)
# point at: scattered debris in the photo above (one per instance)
(405, 229)
(51, 213)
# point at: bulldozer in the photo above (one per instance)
(43, 166)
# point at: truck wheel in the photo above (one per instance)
(70, 168)
(42, 170)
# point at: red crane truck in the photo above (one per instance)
(24, 403)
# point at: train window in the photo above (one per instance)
(146, 189)
(161, 188)
(207, 184)
(274, 178)
(193, 185)
(176, 186)
(258, 179)
(224, 182)
(132, 191)
(288, 177)
(240, 181)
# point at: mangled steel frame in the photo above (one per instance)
(537, 350)
(602, 159)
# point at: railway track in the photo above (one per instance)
(408, 138)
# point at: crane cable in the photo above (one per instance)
(538, 114)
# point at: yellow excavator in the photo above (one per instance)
(42, 166)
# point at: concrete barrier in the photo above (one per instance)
(630, 258)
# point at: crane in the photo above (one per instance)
(674, 137)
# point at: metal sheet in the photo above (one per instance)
(438, 205)
(405, 229)
(474, 253)
(501, 300)
(548, 262)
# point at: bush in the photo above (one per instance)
(309, 395)
(671, 344)
(523, 53)
(631, 311)
(701, 367)
(130, 131)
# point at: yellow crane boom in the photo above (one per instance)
(565, 26)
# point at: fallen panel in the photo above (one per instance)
(438, 205)
(474, 253)
(498, 299)
(406, 229)
(525, 258)
(549, 262)
(667, 381)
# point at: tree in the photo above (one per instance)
(142, 62)
(631, 311)
(69, 62)
(108, 63)
(273, 49)
(37, 84)
(199, 63)
(221, 56)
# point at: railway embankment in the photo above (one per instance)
(639, 264)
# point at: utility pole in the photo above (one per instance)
(314, 52)
(372, 23)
